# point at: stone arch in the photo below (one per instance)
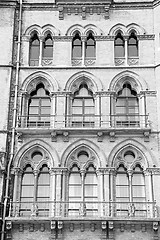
(137, 82)
(117, 28)
(83, 144)
(32, 80)
(74, 82)
(74, 28)
(50, 28)
(138, 29)
(51, 155)
(33, 28)
(91, 27)
(148, 157)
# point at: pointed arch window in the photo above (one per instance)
(39, 107)
(130, 192)
(47, 50)
(119, 46)
(34, 50)
(90, 46)
(83, 107)
(77, 46)
(132, 45)
(43, 191)
(83, 190)
(127, 107)
(27, 191)
(35, 192)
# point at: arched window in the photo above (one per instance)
(39, 107)
(130, 191)
(127, 107)
(132, 45)
(83, 190)
(90, 46)
(83, 107)
(27, 191)
(74, 190)
(35, 191)
(43, 191)
(77, 46)
(119, 46)
(47, 51)
(90, 191)
(34, 50)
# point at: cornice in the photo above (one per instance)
(8, 3)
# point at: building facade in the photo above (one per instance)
(80, 119)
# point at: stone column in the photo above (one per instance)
(126, 50)
(53, 110)
(40, 50)
(83, 50)
(106, 191)
(52, 191)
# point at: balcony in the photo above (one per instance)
(85, 121)
(92, 210)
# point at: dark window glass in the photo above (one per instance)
(34, 50)
(132, 45)
(76, 46)
(119, 46)
(83, 107)
(39, 107)
(127, 106)
(90, 45)
(48, 47)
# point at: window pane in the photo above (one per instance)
(74, 178)
(119, 51)
(75, 191)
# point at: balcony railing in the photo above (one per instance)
(84, 121)
(84, 209)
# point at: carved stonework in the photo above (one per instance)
(76, 62)
(133, 61)
(119, 61)
(88, 8)
(89, 62)
(46, 62)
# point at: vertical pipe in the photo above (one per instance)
(14, 118)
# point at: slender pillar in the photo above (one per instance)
(40, 50)
(83, 51)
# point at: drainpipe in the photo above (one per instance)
(14, 119)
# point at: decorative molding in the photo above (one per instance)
(133, 61)
(88, 7)
(21, 227)
(42, 227)
(90, 61)
(100, 136)
(112, 136)
(71, 227)
(47, 62)
(92, 227)
(104, 225)
(155, 226)
(146, 37)
(31, 227)
(119, 61)
(65, 136)
(54, 136)
(60, 225)
(53, 225)
(76, 62)
(149, 92)
(143, 227)
(82, 227)
(146, 136)
(122, 227)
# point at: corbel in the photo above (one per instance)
(54, 136)
(122, 227)
(68, 11)
(21, 227)
(53, 225)
(155, 226)
(132, 228)
(31, 227)
(112, 136)
(100, 136)
(76, 11)
(92, 227)
(83, 13)
(65, 136)
(71, 227)
(82, 227)
(143, 227)
(42, 227)
(61, 13)
(110, 230)
(155, 229)
(91, 11)
(146, 136)
(19, 136)
(60, 225)
(104, 225)
(8, 225)
(106, 15)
